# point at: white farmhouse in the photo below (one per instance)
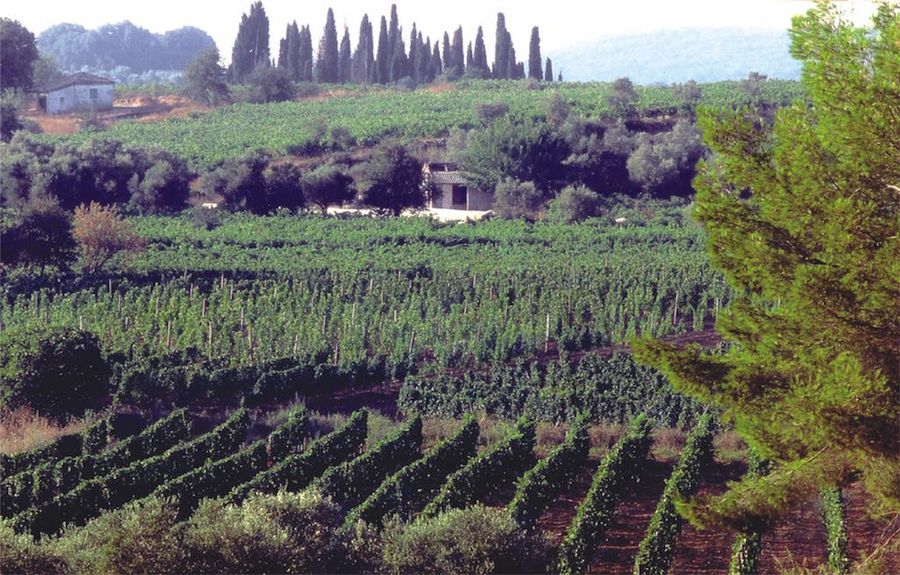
(80, 92)
(450, 189)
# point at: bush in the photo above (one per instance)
(280, 533)
(41, 235)
(474, 540)
(58, 372)
(20, 554)
(513, 199)
(574, 204)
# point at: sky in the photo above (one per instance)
(563, 23)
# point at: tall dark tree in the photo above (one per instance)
(458, 53)
(447, 55)
(306, 55)
(393, 31)
(548, 71)
(423, 60)
(383, 61)
(535, 63)
(289, 54)
(437, 67)
(364, 57)
(329, 55)
(470, 59)
(344, 59)
(479, 54)
(512, 65)
(251, 47)
(501, 49)
(399, 61)
(391, 179)
(18, 53)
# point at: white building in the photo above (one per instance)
(80, 92)
(450, 189)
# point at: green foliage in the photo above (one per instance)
(748, 544)
(537, 489)
(515, 200)
(270, 85)
(21, 555)
(477, 540)
(802, 217)
(622, 98)
(288, 437)
(410, 488)
(251, 46)
(492, 469)
(391, 179)
(57, 371)
(19, 53)
(137, 480)
(351, 482)
(204, 79)
(297, 471)
(619, 468)
(833, 514)
(574, 204)
(10, 122)
(327, 185)
(613, 389)
(214, 479)
(657, 548)
(40, 235)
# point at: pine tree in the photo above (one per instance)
(251, 47)
(383, 60)
(535, 63)
(501, 50)
(344, 59)
(364, 57)
(548, 73)
(801, 213)
(479, 54)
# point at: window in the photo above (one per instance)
(93, 93)
(460, 195)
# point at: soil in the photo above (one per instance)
(141, 109)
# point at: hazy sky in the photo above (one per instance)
(562, 22)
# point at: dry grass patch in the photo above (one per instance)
(22, 429)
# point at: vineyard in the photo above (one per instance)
(370, 114)
(398, 475)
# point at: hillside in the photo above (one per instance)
(704, 55)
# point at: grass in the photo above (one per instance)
(22, 429)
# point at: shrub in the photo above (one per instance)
(574, 204)
(280, 533)
(474, 540)
(833, 514)
(102, 234)
(513, 199)
(20, 554)
(58, 372)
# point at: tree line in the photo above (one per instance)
(392, 59)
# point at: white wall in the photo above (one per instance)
(78, 99)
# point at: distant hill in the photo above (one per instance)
(701, 54)
(122, 45)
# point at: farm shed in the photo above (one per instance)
(450, 189)
(80, 92)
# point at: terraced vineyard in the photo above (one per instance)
(594, 513)
(373, 114)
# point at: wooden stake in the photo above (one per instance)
(547, 335)
(675, 313)
(203, 310)
(169, 335)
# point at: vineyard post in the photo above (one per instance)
(169, 335)
(203, 309)
(250, 343)
(231, 292)
(242, 317)
(675, 313)
(110, 286)
(547, 335)
(412, 342)
(80, 323)
(296, 343)
(209, 340)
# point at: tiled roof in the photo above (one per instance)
(454, 178)
(79, 79)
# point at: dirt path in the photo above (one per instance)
(797, 540)
(556, 519)
(865, 535)
(709, 551)
(616, 554)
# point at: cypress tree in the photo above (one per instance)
(399, 67)
(305, 65)
(470, 59)
(414, 54)
(447, 55)
(383, 61)
(282, 50)
(436, 67)
(548, 73)
(458, 54)
(344, 59)
(535, 68)
(479, 54)
(501, 50)
(251, 47)
(289, 52)
(512, 65)
(327, 63)
(393, 31)
(364, 58)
